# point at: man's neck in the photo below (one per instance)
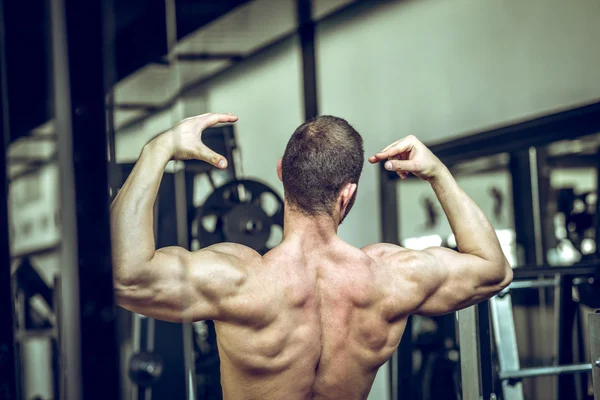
(310, 231)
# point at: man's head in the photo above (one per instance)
(321, 167)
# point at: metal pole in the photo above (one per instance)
(8, 387)
(306, 30)
(89, 355)
(468, 331)
(597, 236)
(69, 324)
(594, 325)
(401, 363)
(506, 343)
(486, 367)
(181, 197)
(545, 371)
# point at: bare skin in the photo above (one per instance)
(315, 317)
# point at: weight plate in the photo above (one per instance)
(239, 212)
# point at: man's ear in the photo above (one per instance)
(347, 194)
(279, 170)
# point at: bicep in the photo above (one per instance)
(452, 281)
(177, 285)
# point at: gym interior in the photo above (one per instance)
(506, 94)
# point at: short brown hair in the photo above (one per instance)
(322, 156)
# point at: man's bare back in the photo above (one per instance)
(328, 326)
(314, 318)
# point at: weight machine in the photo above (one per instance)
(522, 142)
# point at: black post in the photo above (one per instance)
(8, 389)
(485, 349)
(401, 365)
(90, 358)
(523, 206)
(306, 29)
(597, 237)
(168, 336)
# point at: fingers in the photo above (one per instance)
(213, 158)
(404, 166)
(211, 119)
(401, 146)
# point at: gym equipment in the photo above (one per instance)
(145, 368)
(206, 354)
(594, 325)
(237, 212)
(510, 372)
(439, 370)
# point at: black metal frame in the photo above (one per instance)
(8, 386)
(485, 349)
(90, 353)
(306, 31)
(540, 131)
(401, 364)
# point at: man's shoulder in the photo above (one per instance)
(235, 254)
(380, 251)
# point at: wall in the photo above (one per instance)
(440, 69)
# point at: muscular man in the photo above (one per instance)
(315, 317)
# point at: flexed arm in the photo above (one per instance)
(451, 280)
(167, 283)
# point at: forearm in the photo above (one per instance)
(473, 231)
(132, 214)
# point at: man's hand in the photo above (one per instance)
(184, 140)
(409, 155)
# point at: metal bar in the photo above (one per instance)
(597, 233)
(59, 378)
(536, 132)
(536, 214)
(486, 366)
(401, 364)
(181, 205)
(183, 241)
(194, 57)
(506, 343)
(306, 30)
(470, 368)
(115, 178)
(404, 364)
(150, 108)
(8, 387)
(69, 323)
(87, 298)
(26, 159)
(136, 333)
(582, 269)
(173, 381)
(150, 338)
(33, 167)
(573, 161)
(530, 284)
(523, 205)
(388, 202)
(32, 137)
(564, 314)
(594, 325)
(545, 371)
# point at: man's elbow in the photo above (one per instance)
(505, 275)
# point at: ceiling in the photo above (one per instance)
(211, 34)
